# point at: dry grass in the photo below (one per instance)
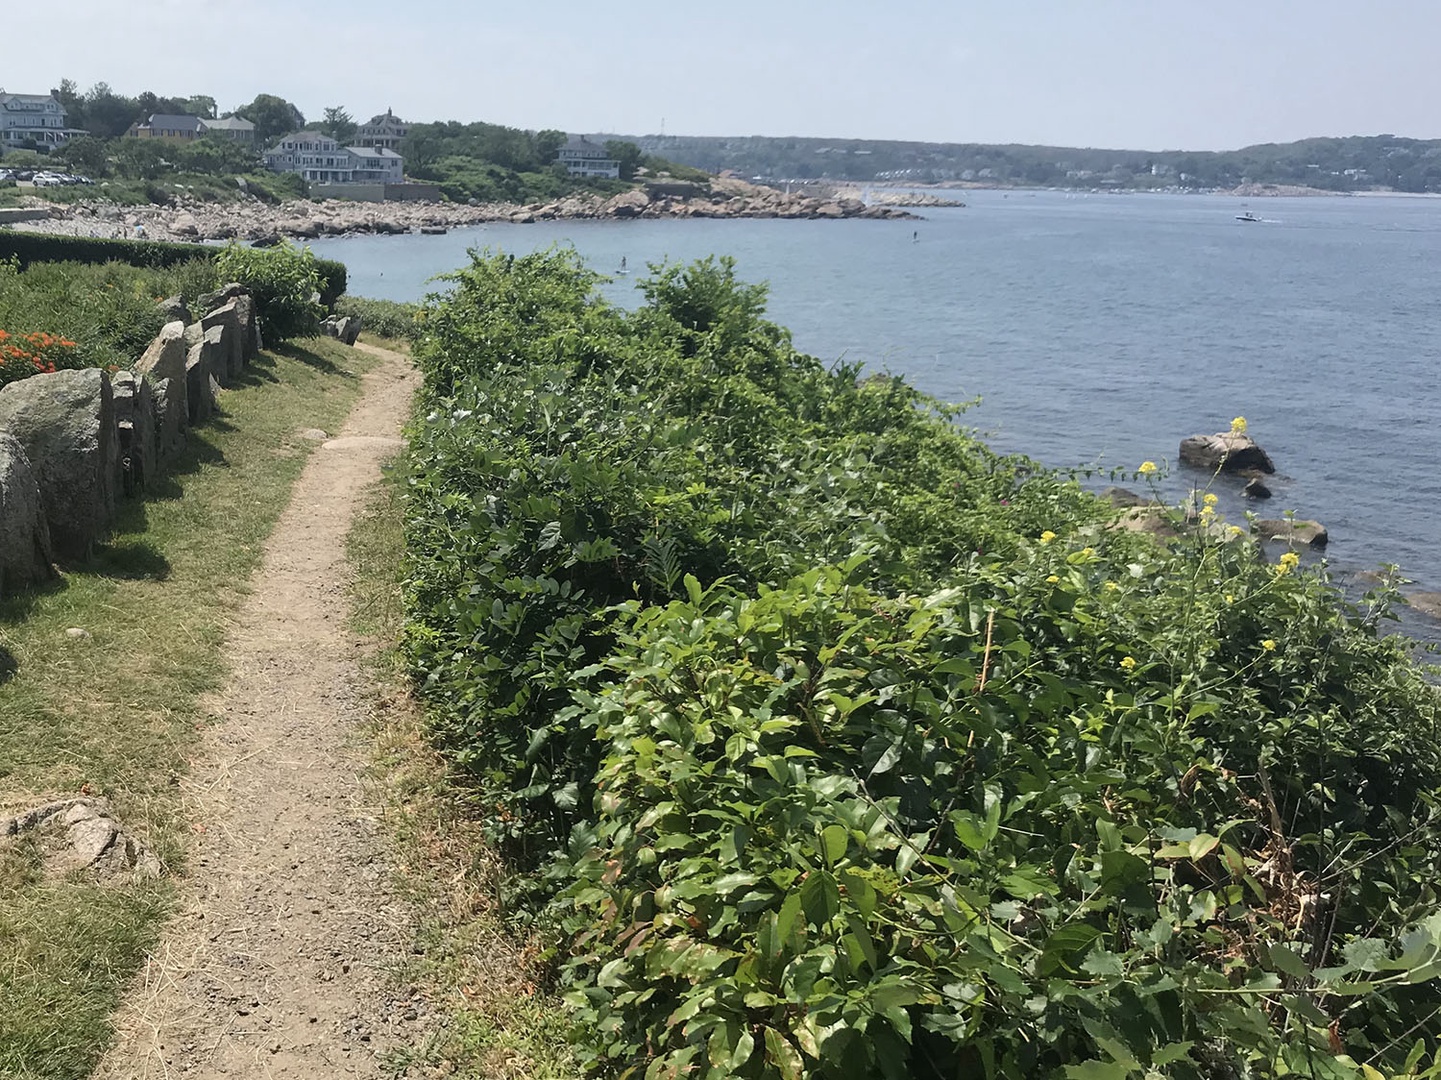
(117, 713)
(500, 1021)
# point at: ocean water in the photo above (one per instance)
(1097, 331)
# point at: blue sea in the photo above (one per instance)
(1096, 331)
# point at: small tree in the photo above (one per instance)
(338, 124)
(628, 154)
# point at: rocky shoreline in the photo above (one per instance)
(251, 220)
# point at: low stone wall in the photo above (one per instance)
(74, 443)
(11, 215)
(377, 192)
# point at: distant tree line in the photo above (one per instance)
(1354, 163)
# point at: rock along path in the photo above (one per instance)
(278, 961)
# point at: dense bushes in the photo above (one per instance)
(285, 283)
(387, 318)
(836, 744)
(107, 312)
(26, 248)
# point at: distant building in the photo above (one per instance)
(321, 160)
(33, 120)
(231, 127)
(581, 157)
(168, 126)
(383, 132)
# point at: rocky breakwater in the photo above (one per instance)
(74, 443)
(913, 199)
(251, 220)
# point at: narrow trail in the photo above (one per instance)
(277, 962)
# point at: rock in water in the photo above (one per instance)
(1254, 489)
(24, 535)
(65, 421)
(1226, 450)
(1293, 532)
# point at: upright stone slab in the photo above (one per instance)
(135, 423)
(164, 363)
(24, 536)
(228, 319)
(249, 328)
(199, 398)
(65, 421)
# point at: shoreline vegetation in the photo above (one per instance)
(822, 741)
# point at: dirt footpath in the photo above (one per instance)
(279, 961)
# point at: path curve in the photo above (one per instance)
(277, 963)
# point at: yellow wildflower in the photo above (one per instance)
(1127, 663)
(1234, 530)
(1238, 426)
(1088, 552)
(1269, 645)
(1111, 586)
(1210, 499)
(1147, 468)
(1047, 536)
(1230, 599)
(1287, 563)
(1052, 579)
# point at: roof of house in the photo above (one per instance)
(229, 123)
(580, 144)
(171, 122)
(372, 152)
(19, 99)
(387, 119)
(304, 136)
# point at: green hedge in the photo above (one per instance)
(28, 248)
(841, 747)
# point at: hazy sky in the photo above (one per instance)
(1144, 74)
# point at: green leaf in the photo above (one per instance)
(693, 589)
(821, 897)
(1063, 946)
(834, 841)
(745, 1047)
(969, 831)
(781, 1053)
(1097, 1070)
(1103, 964)
(1366, 954)
(1287, 962)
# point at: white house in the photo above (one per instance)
(32, 118)
(321, 160)
(384, 132)
(581, 157)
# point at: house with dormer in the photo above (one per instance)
(319, 159)
(383, 132)
(581, 157)
(36, 120)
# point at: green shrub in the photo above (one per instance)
(384, 317)
(28, 247)
(284, 281)
(333, 279)
(829, 742)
